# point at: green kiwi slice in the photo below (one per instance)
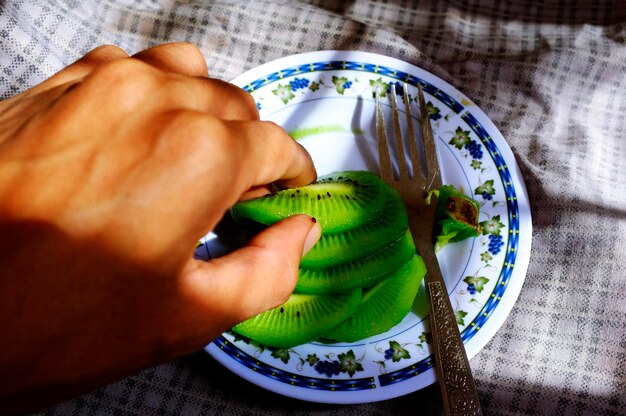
(384, 305)
(332, 249)
(339, 201)
(303, 318)
(358, 273)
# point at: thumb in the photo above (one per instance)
(252, 279)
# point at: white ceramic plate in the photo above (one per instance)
(325, 100)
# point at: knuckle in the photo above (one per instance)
(126, 71)
(274, 130)
(193, 58)
(189, 50)
(237, 104)
(250, 105)
(126, 81)
(276, 137)
(106, 52)
(203, 135)
(93, 60)
(178, 57)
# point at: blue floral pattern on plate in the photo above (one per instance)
(399, 361)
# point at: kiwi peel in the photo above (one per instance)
(456, 215)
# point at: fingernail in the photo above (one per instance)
(312, 237)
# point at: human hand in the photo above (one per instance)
(110, 172)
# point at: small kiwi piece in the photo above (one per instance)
(358, 273)
(339, 201)
(353, 244)
(384, 305)
(456, 216)
(303, 318)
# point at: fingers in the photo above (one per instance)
(255, 278)
(261, 153)
(131, 86)
(242, 157)
(175, 75)
(256, 192)
(217, 97)
(179, 57)
(200, 93)
(271, 155)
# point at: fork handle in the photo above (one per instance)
(458, 390)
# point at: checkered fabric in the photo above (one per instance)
(551, 74)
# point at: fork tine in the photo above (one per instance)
(432, 164)
(402, 165)
(413, 153)
(384, 159)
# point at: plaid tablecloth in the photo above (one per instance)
(551, 74)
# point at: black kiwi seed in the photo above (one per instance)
(359, 242)
(331, 279)
(318, 314)
(358, 273)
(323, 200)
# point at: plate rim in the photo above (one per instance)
(474, 344)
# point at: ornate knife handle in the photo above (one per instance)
(458, 390)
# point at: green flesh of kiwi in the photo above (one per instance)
(383, 306)
(339, 202)
(358, 273)
(365, 243)
(303, 318)
(358, 242)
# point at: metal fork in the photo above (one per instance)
(413, 182)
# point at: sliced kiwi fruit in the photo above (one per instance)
(339, 202)
(303, 318)
(353, 244)
(384, 305)
(358, 273)
(362, 276)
